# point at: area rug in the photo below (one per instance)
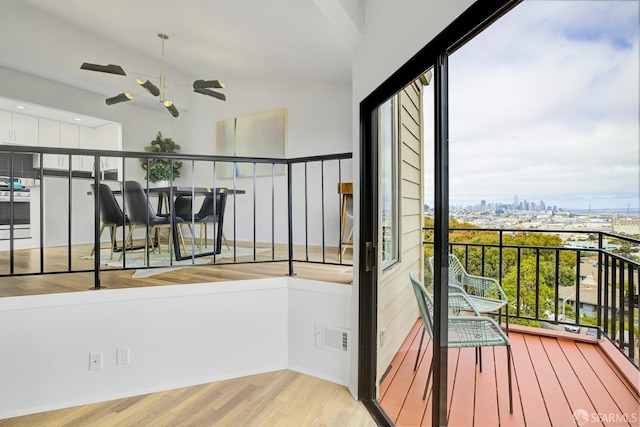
(161, 262)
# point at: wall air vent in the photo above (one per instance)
(333, 338)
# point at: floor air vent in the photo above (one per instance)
(333, 338)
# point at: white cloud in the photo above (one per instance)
(545, 104)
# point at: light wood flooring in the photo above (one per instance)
(552, 378)
(282, 398)
(56, 259)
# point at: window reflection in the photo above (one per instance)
(388, 139)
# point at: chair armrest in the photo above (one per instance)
(483, 286)
(475, 331)
(460, 301)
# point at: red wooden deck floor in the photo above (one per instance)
(553, 379)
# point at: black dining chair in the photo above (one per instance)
(141, 214)
(208, 214)
(183, 207)
(111, 215)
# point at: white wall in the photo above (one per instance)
(313, 303)
(177, 335)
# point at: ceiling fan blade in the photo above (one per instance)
(111, 68)
(205, 84)
(211, 93)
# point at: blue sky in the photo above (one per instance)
(545, 104)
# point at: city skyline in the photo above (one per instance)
(524, 204)
(545, 102)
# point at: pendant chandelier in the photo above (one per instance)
(201, 86)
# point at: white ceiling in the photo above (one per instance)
(228, 40)
(215, 39)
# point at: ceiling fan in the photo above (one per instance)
(201, 86)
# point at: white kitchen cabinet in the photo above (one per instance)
(25, 129)
(18, 128)
(87, 141)
(49, 136)
(6, 126)
(61, 134)
(109, 137)
(70, 138)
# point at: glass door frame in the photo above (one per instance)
(476, 18)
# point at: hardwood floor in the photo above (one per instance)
(282, 398)
(552, 378)
(57, 260)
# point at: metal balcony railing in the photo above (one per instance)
(290, 203)
(545, 280)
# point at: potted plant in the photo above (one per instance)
(159, 172)
(161, 145)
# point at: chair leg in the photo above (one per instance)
(344, 247)
(506, 310)
(157, 233)
(426, 387)
(193, 235)
(129, 239)
(480, 357)
(112, 230)
(206, 243)
(93, 250)
(147, 240)
(181, 238)
(509, 377)
(415, 368)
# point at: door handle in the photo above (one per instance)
(369, 256)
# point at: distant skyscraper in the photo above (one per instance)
(543, 207)
(515, 202)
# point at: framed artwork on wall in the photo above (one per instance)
(261, 134)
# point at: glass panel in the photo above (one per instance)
(388, 138)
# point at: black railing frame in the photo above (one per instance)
(611, 313)
(98, 155)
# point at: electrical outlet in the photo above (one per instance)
(122, 356)
(95, 361)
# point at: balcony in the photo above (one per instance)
(573, 317)
(555, 376)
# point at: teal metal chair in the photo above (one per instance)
(485, 293)
(463, 330)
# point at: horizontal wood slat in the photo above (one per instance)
(552, 378)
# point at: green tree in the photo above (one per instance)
(471, 256)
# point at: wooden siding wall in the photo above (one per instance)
(397, 308)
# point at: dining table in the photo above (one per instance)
(167, 194)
